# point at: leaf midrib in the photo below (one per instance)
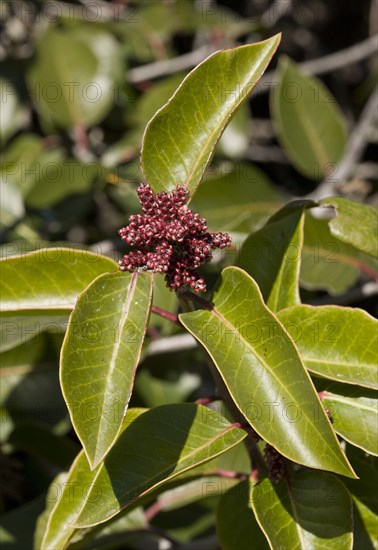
(166, 469)
(113, 360)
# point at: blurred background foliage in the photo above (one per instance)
(79, 82)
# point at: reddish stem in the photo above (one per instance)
(165, 314)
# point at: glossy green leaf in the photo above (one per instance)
(313, 511)
(179, 141)
(354, 414)
(236, 522)
(272, 256)
(264, 374)
(100, 355)
(309, 123)
(365, 531)
(155, 447)
(354, 223)
(335, 342)
(50, 278)
(330, 264)
(74, 76)
(364, 492)
(236, 197)
(63, 504)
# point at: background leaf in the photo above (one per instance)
(313, 510)
(100, 355)
(347, 226)
(335, 342)
(50, 278)
(154, 448)
(236, 197)
(330, 264)
(74, 75)
(309, 123)
(272, 256)
(252, 352)
(236, 521)
(179, 141)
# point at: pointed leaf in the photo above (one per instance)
(354, 223)
(330, 264)
(179, 141)
(272, 256)
(100, 355)
(154, 448)
(340, 343)
(50, 278)
(236, 521)
(264, 374)
(66, 497)
(309, 123)
(313, 511)
(354, 414)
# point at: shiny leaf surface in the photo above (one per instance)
(179, 140)
(100, 355)
(264, 374)
(335, 342)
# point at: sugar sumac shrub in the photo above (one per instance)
(281, 452)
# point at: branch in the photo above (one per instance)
(361, 293)
(360, 136)
(328, 63)
(169, 66)
(165, 314)
(319, 65)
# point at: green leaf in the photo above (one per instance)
(60, 178)
(154, 448)
(179, 141)
(236, 522)
(264, 374)
(272, 256)
(364, 492)
(100, 355)
(365, 531)
(309, 123)
(236, 197)
(354, 223)
(313, 510)
(354, 414)
(49, 278)
(74, 76)
(14, 115)
(330, 264)
(66, 497)
(335, 342)
(18, 329)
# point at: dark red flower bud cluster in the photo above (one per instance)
(276, 463)
(170, 238)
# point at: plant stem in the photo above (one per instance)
(165, 314)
